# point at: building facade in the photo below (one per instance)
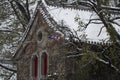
(42, 53)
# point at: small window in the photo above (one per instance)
(39, 35)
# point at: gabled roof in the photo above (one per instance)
(54, 16)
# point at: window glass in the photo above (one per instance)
(35, 67)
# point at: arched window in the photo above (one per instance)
(35, 67)
(44, 64)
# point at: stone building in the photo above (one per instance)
(41, 54)
(39, 50)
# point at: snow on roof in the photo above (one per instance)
(68, 17)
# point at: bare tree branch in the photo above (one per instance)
(116, 18)
(23, 11)
(100, 31)
(7, 68)
(10, 76)
(27, 8)
(107, 63)
(6, 61)
(17, 15)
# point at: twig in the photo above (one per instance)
(7, 68)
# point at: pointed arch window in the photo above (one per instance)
(44, 64)
(35, 67)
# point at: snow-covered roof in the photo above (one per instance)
(95, 31)
(68, 17)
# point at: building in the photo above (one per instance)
(42, 52)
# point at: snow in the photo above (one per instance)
(33, 7)
(68, 17)
(4, 24)
(71, 1)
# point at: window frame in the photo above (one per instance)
(43, 76)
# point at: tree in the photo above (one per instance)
(14, 17)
